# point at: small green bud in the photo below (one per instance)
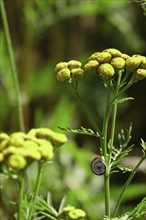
(74, 64)
(113, 52)
(17, 162)
(106, 70)
(91, 65)
(118, 63)
(63, 75)
(61, 66)
(141, 73)
(77, 73)
(76, 214)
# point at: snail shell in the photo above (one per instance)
(98, 166)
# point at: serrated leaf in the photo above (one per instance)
(139, 210)
(124, 217)
(120, 101)
(143, 144)
(82, 130)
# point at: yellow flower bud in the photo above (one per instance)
(91, 65)
(4, 144)
(77, 73)
(118, 63)
(1, 157)
(33, 154)
(113, 52)
(106, 69)
(61, 66)
(30, 144)
(10, 150)
(46, 152)
(141, 73)
(63, 75)
(143, 63)
(103, 57)
(133, 62)
(76, 214)
(124, 56)
(3, 136)
(17, 162)
(68, 208)
(17, 139)
(58, 139)
(74, 64)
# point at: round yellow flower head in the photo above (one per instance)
(91, 65)
(17, 138)
(10, 150)
(63, 75)
(141, 73)
(74, 64)
(118, 63)
(106, 70)
(102, 57)
(124, 56)
(68, 208)
(30, 144)
(1, 157)
(133, 62)
(76, 214)
(61, 66)
(143, 63)
(77, 73)
(17, 162)
(46, 152)
(58, 139)
(4, 136)
(113, 52)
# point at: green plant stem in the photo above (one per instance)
(86, 111)
(37, 186)
(21, 193)
(104, 151)
(12, 65)
(127, 184)
(114, 115)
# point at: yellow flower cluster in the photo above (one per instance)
(19, 149)
(109, 61)
(67, 70)
(72, 212)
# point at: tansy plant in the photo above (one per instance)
(118, 72)
(19, 150)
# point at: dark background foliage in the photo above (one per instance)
(45, 32)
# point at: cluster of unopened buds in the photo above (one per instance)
(19, 149)
(72, 213)
(105, 63)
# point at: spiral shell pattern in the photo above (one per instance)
(98, 166)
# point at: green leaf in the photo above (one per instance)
(120, 101)
(125, 169)
(62, 204)
(82, 130)
(139, 210)
(143, 144)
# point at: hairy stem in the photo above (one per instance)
(12, 65)
(37, 186)
(127, 184)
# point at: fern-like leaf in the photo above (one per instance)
(139, 210)
(82, 130)
(120, 101)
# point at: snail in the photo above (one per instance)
(98, 166)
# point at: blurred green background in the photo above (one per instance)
(45, 32)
